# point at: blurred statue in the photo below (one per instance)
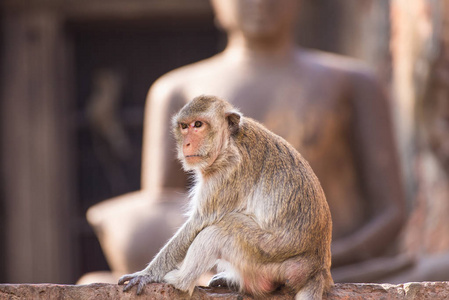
(329, 107)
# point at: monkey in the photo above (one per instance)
(257, 211)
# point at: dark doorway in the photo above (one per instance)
(137, 53)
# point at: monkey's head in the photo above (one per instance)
(203, 129)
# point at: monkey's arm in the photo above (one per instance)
(377, 158)
(167, 259)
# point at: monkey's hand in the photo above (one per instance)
(140, 279)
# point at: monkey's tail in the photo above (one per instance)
(328, 281)
(314, 288)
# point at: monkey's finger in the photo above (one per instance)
(140, 287)
(124, 279)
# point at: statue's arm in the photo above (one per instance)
(160, 168)
(380, 175)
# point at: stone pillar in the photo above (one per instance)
(34, 146)
(414, 22)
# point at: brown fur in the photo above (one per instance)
(257, 209)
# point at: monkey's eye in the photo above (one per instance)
(198, 124)
(183, 125)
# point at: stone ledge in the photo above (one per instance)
(159, 291)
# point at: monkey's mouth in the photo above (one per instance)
(193, 158)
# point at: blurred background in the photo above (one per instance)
(59, 57)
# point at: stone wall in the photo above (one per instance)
(158, 291)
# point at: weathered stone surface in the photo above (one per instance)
(159, 291)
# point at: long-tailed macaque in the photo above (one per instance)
(257, 210)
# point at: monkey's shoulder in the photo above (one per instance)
(269, 145)
(251, 131)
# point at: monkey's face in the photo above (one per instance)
(203, 128)
(197, 143)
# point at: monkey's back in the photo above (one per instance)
(283, 181)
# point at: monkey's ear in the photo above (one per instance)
(234, 118)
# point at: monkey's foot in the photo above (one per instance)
(179, 281)
(138, 279)
(221, 280)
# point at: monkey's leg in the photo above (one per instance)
(201, 256)
(262, 260)
(259, 262)
(204, 252)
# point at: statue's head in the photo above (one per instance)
(256, 18)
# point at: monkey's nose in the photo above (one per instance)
(187, 149)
